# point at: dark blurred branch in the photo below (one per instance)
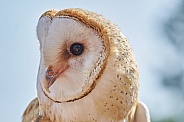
(174, 31)
(174, 28)
(175, 81)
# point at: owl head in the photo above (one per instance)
(80, 51)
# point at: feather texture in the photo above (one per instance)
(104, 79)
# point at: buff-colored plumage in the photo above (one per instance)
(109, 90)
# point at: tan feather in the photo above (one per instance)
(31, 111)
(31, 114)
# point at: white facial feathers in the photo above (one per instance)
(56, 36)
(42, 28)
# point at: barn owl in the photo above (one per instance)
(87, 71)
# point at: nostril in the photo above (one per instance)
(50, 72)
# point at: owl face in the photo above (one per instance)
(70, 52)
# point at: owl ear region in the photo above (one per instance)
(44, 23)
(43, 27)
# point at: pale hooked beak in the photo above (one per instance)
(51, 75)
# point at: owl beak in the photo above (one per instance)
(51, 75)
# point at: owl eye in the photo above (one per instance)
(76, 49)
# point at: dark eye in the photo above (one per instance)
(76, 49)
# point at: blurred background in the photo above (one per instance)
(154, 28)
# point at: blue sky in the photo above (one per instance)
(19, 47)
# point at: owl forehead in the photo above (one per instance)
(68, 31)
(69, 28)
